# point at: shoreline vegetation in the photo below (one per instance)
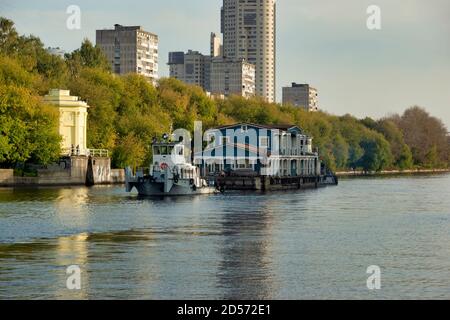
(127, 112)
(391, 172)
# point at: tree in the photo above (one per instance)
(402, 156)
(102, 91)
(54, 71)
(425, 135)
(12, 73)
(377, 155)
(8, 37)
(28, 129)
(175, 99)
(87, 56)
(130, 152)
(341, 151)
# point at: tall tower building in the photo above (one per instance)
(249, 32)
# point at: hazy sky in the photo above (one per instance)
(322, 42)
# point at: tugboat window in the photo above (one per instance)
(164, 150)
(156, 151)
(170, 150)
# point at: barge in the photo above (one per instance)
(248, 156)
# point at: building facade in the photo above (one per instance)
(249, 32)
(301, 95)
(216, 45)
(232, 77)
(192, 68)
(218, 76)
(275, 151)
(130, 49)
(72, 121)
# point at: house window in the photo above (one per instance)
(225, 140)
(264, 142)
(211, 138)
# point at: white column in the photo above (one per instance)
(85, 131)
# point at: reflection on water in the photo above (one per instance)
(311, 244)
(246, 260)
(72, 251)
(71, 207)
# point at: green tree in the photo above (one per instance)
(402, 156)
(102, 91)
(28, 129)
(130, 152)
(377, 155)
(341, 152)
(175, 99)
(9, 38)
(12, 73)
(87, 56)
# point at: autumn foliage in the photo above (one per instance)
(127, 112)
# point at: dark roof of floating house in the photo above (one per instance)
(284, 127)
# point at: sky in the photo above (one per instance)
(325, 43)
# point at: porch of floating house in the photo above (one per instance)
(228, 157)
(216, 160)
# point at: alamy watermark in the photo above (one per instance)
(374, 280)
(73, 281)
(73, 22)
(374, 19)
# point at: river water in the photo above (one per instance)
(313, 244)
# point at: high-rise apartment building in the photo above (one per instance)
(249, 32)
(217, 75)
(232, 77)
(130, 49)
(191, 67)
(301, 95)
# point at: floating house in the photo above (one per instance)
(276, 152)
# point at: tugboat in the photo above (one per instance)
(171, 174)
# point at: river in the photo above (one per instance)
(312, 244)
